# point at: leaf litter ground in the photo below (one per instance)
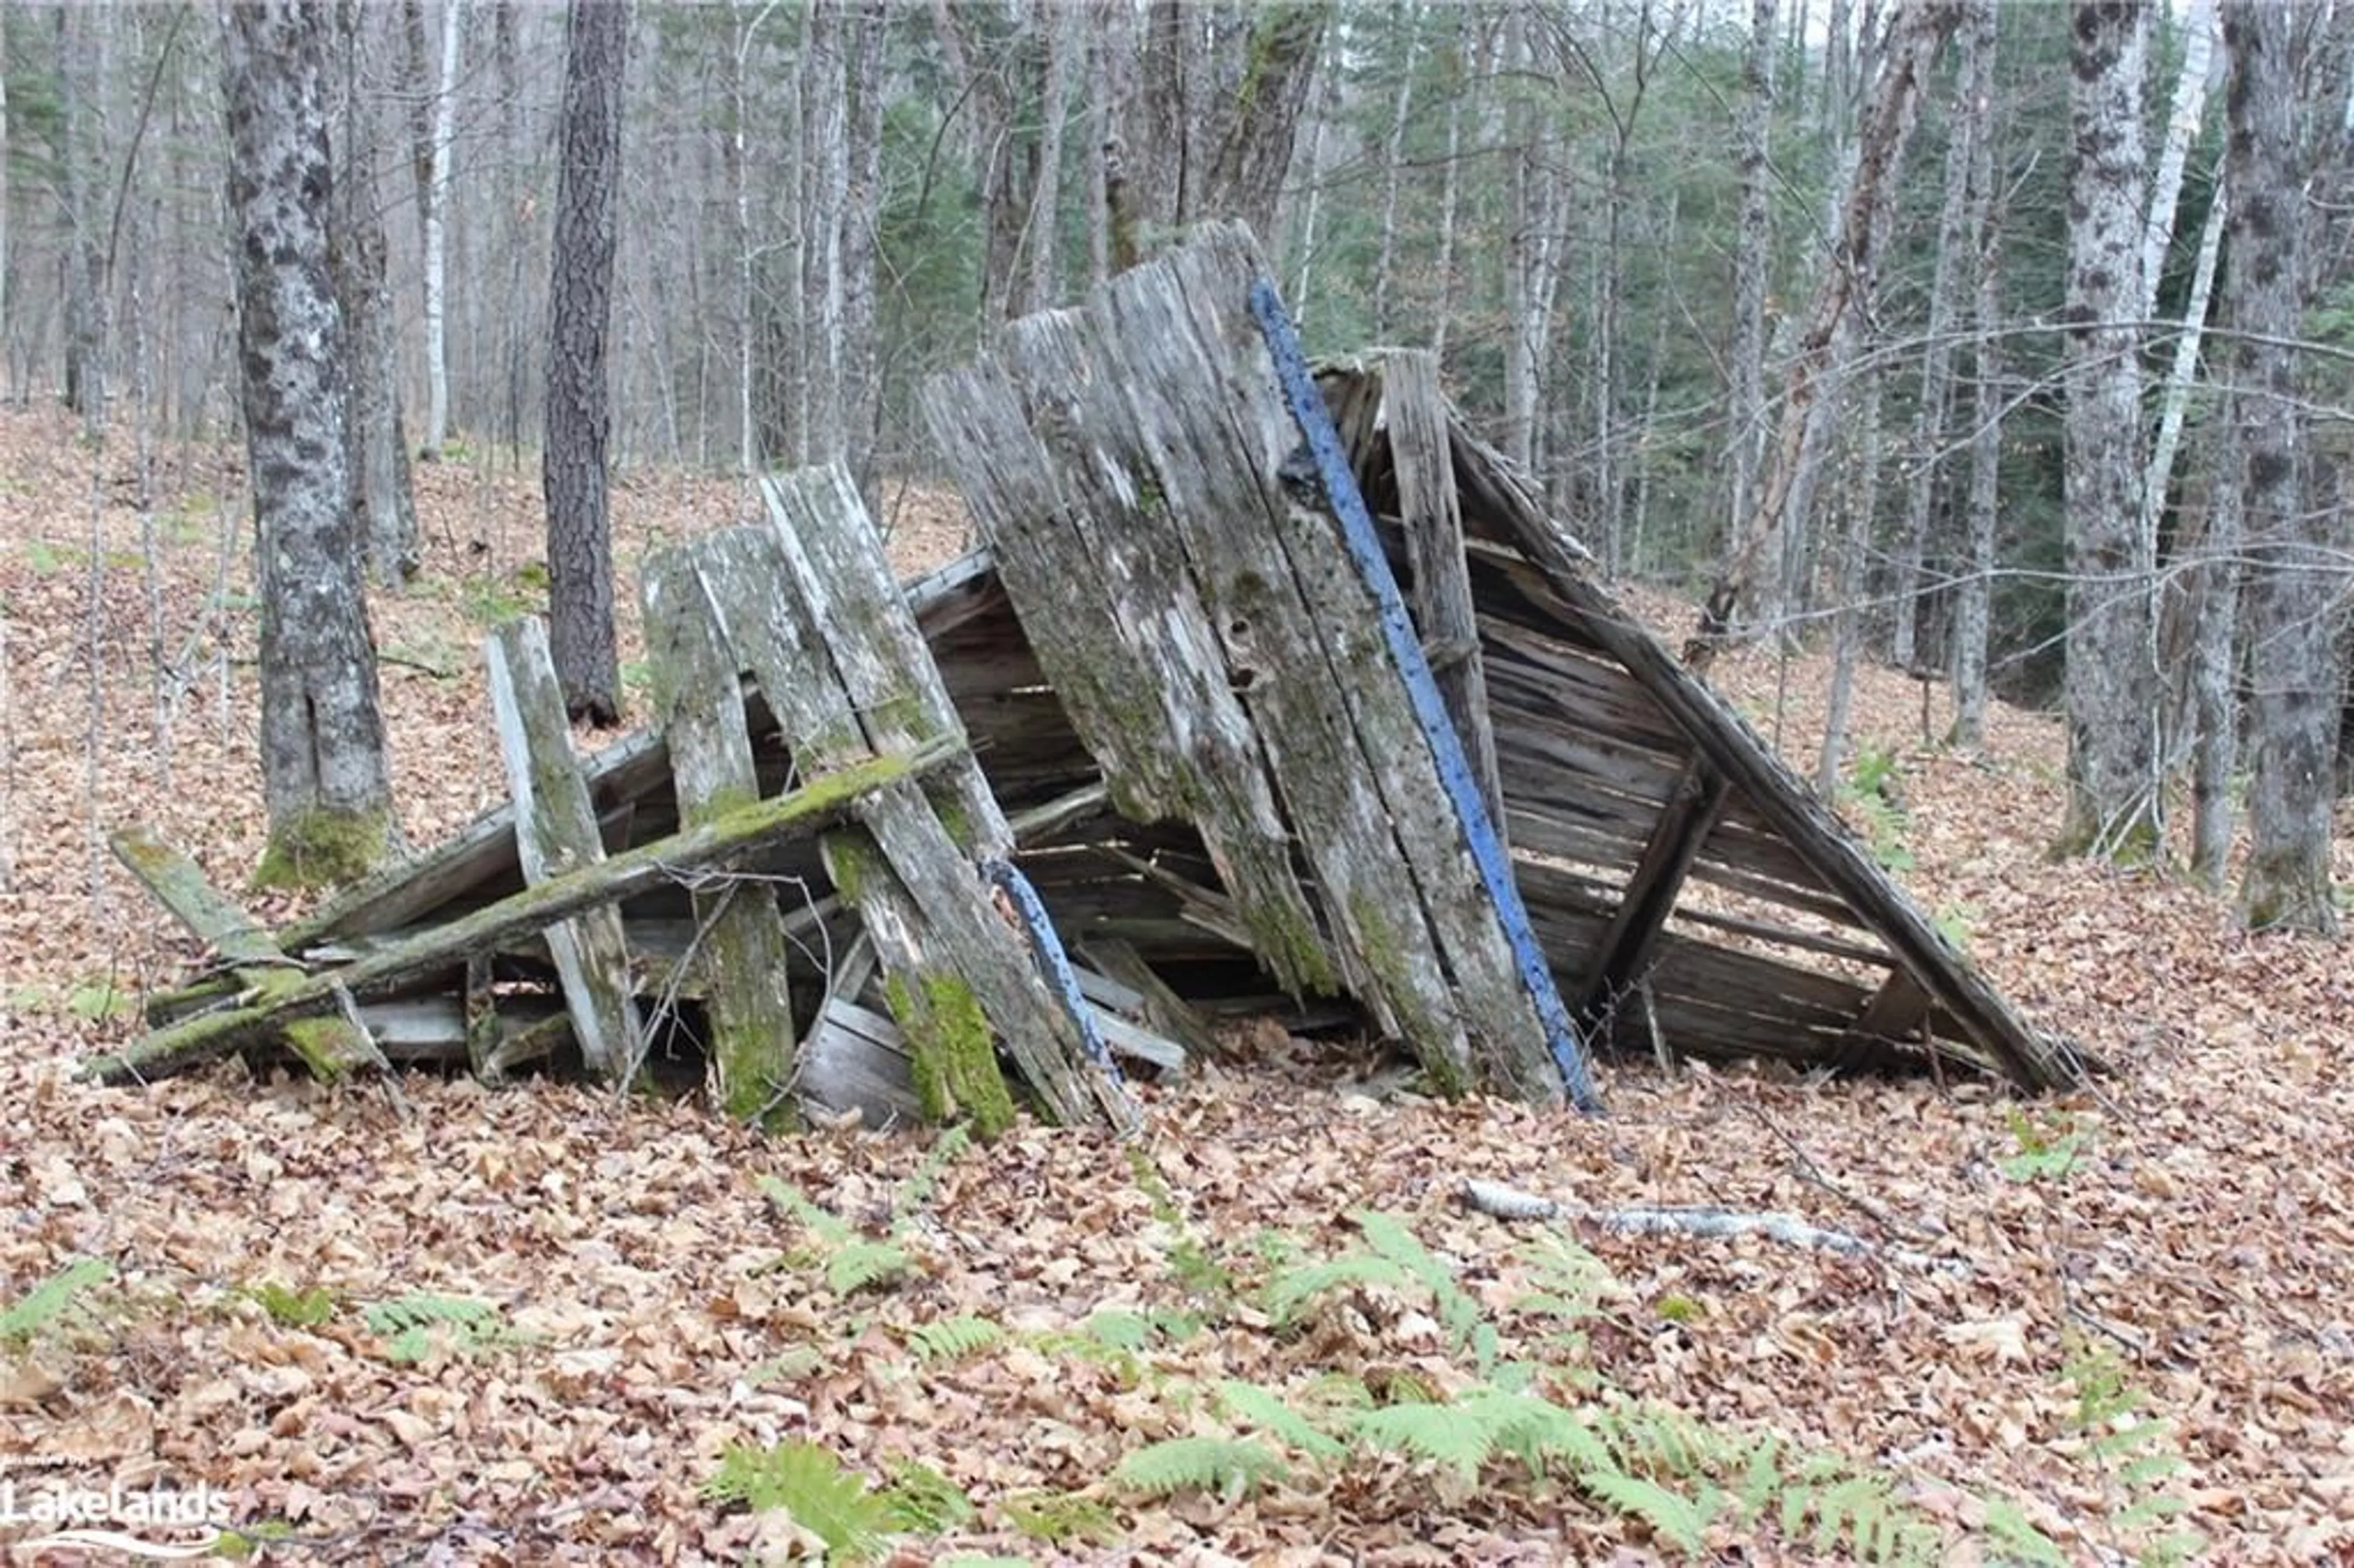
(642, 1307)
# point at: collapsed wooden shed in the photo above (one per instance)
(1175, 722)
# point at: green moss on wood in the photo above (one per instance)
(1287, 940)
(325, 847)
(953, 1052)
(330, 1047)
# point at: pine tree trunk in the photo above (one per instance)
(323, 752)
(2115, 804)
(2293, 706)
(579, 415)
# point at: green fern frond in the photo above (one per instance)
(1761, 1477)
(917, 1190)
(1445, 1435)
(52, 1300)
(1389, 1238)
(1247, 1402)
(1232, 1467)
(808, 1482)
(1671, 1516)
(1060, 1516)
(1535, 1430)
(1118, 1329)
(2010, 1530)
(410, 1324)
(922, 1501)
(866, 1262)
(831, 1229)
(953, 1338)
(1285, 1292)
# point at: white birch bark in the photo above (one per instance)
(437, 231)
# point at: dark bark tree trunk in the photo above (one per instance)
(382, 499)
(2115, 802)
(862, 382)
(580, 290)
(2293, 704)
(81, 36)
(1972, 599)
(323, 775)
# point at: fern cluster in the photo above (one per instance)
(55, 1301)
(856, 1262)
(410, 1326)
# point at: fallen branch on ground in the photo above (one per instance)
(1649, 1219)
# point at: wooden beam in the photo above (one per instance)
(286, 995)
(1684, 824)
(555, 832)
(1893, 1016)
(1438, 587)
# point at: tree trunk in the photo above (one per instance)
(579, 419)
(2115, 808)
(436, 216)
(1915, 35)
(1409, 16)
(383, 503)
(81, 44)
(1974, 595)
(323, 754)
(2293, 705)
(2214, 655)
(2182, 124)
(825, 132)
(1959, 217)
(1752, 257)
(1045, 227)
(862, 383)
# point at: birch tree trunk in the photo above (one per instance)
(323, 754)
(2116, 807)
(2293, 706)
(580, 413)
(436, 216)
(2182, 122)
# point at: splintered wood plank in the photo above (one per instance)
(1438, 585)
(1116, 621)
(330, 1044)
(1130, 462)
(634, 870)
(830, 644)
(1895, 1013)
(1651, 892)
(555, 832)
(741, 947)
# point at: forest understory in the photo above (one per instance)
(420, 1321)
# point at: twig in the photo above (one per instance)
(1811, 1173)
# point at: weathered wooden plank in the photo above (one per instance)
(1897, 1011)
(1143, 438)
(215, 1035)
(741, 948)
(870, 682)
(856, 1059)
(1548, 572)
(1158, 1004)
(1128, 643)
(1651, 893)
(555, 832)
(1438, 587)
(330, 1045)
(176, 883)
